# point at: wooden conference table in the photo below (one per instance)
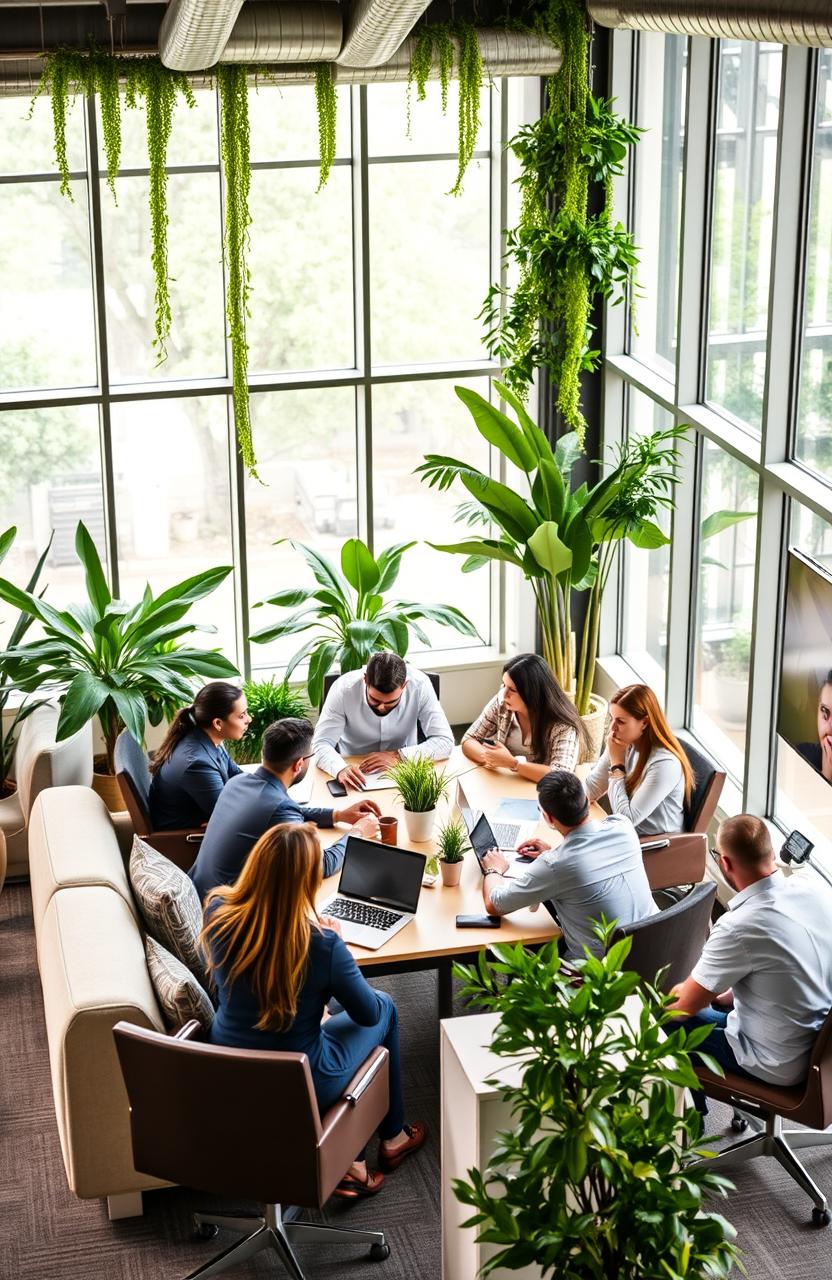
(431, 940)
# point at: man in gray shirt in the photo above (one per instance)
(597, 870)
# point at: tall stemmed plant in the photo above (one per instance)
(9, 670)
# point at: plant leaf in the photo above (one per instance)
(359, 567)
(498, 430)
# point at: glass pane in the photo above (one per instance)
(305, 445)
(174, 520)
(28, 146)
(646, 573)
(803, 799)
(659, 167)
(814, 426)
(50, 478)
(197, 341)
(301, 271)
(283, 120)
(727, 553)
(746, 161)
(431, 130)
(193, 135)
(47, 336)
(409, 420)
(429, 260)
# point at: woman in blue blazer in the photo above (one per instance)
(191, 767)
(277, 964)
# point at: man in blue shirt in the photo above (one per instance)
(251, 803)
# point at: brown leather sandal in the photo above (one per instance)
(352, 1188)
(416, 1134)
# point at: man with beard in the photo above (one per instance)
(261, 799)
(377, 713)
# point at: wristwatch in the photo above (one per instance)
(518, 760)
(491, 871)
(618, 768)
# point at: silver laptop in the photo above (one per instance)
(507, 835)
(378, 892)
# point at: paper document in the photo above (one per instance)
(510, 809)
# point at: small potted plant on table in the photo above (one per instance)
(451, 844)
(420, 787)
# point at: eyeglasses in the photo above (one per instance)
(301, 759)
(715, 854)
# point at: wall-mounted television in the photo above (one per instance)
(805, 711)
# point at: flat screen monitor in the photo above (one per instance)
(804, 716)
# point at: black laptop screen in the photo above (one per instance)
(382, 873)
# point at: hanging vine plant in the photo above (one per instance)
(326, 100)
(565, 257)
(438, 43)
(68, 74)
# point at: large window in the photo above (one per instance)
(363, 317)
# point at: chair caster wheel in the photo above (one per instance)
(739, 1124)
(821, 1218)
(380, 1252)
(205, 1230)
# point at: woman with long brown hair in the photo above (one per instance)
(277, 964)
(643, 770)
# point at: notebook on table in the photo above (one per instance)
(378, 891)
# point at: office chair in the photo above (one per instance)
(809, 1103)
(133, 774)
(433, 676)
(244, 1123)
(677, 858)
(672, 940)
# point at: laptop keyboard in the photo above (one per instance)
(506, 833)
(363, 913)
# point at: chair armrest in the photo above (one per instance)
(181, 847)
(659, 842)
(347, 1125)
(370, 1070)
(679, 859)
(191, 1031)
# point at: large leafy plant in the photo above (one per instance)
(591, 1182)
(8, 670)
(562, 539)
(105, 657)
(349, 614)
(267, 701)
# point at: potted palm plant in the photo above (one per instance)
(450, 847)
(107, 658)
(8, 673)
(349, 614)
(420, 787)
(267, 700)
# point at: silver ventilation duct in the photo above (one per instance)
(784, 21)
(193, 34)
(376, 30)
(285, 33)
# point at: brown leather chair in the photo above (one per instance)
(677, 858)
(133, 774)
(245, 1124)
(672, 940)
(767, 1106)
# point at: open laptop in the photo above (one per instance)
(378, 892)
(502, 835)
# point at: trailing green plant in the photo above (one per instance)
(419, 784)
(470, 87)
(593, 1180)
(439, 43)
(563, 540)
(109, 658)
(348, 610)
(565, 256)
(68, 74)
(326, 101)
(9, 670)
(268, 700)
(235, 147)
(452, 841)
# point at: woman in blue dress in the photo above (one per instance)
(277, 964)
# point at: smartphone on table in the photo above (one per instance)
(336, 788)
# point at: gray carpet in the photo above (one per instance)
(46, 1232)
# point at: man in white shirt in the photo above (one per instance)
(377, 713)
(767, 962)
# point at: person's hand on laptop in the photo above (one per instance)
(351, 776)
(497, 757)
(532, 848)
(379, 761)
(494, 860)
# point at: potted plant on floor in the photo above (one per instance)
(450, 847)
(420, 786)
(349, 613)
(103, 657)
(9, 673)
(268, 700)
(591, 1181)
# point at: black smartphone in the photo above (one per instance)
(478, 922)
(336, 788)
(488, 742)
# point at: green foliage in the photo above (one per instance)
(267, 701)
(109, 658)
(419, 784)
(9, 670)
(452, 841)
(235, 147)
(591, 1182)
(439, 43)
(561, 539)
(348, 611)
(326, 101)
(470, 86)
(566, 258)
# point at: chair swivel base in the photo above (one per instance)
(272, 1231)
(774, 1140)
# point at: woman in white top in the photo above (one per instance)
(643, 770)
(530, 726)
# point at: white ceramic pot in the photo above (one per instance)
(451, 872)
(595, 722)
(419, 825)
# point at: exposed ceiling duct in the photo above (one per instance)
(266, 32)
(376, 29)
(193, 34)
(784, 21)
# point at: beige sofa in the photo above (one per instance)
(93, 972)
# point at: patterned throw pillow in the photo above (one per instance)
(169, 905)
(180, 996)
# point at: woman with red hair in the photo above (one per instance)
(643, 770)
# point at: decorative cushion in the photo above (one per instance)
(180, 996)
(170, 906)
